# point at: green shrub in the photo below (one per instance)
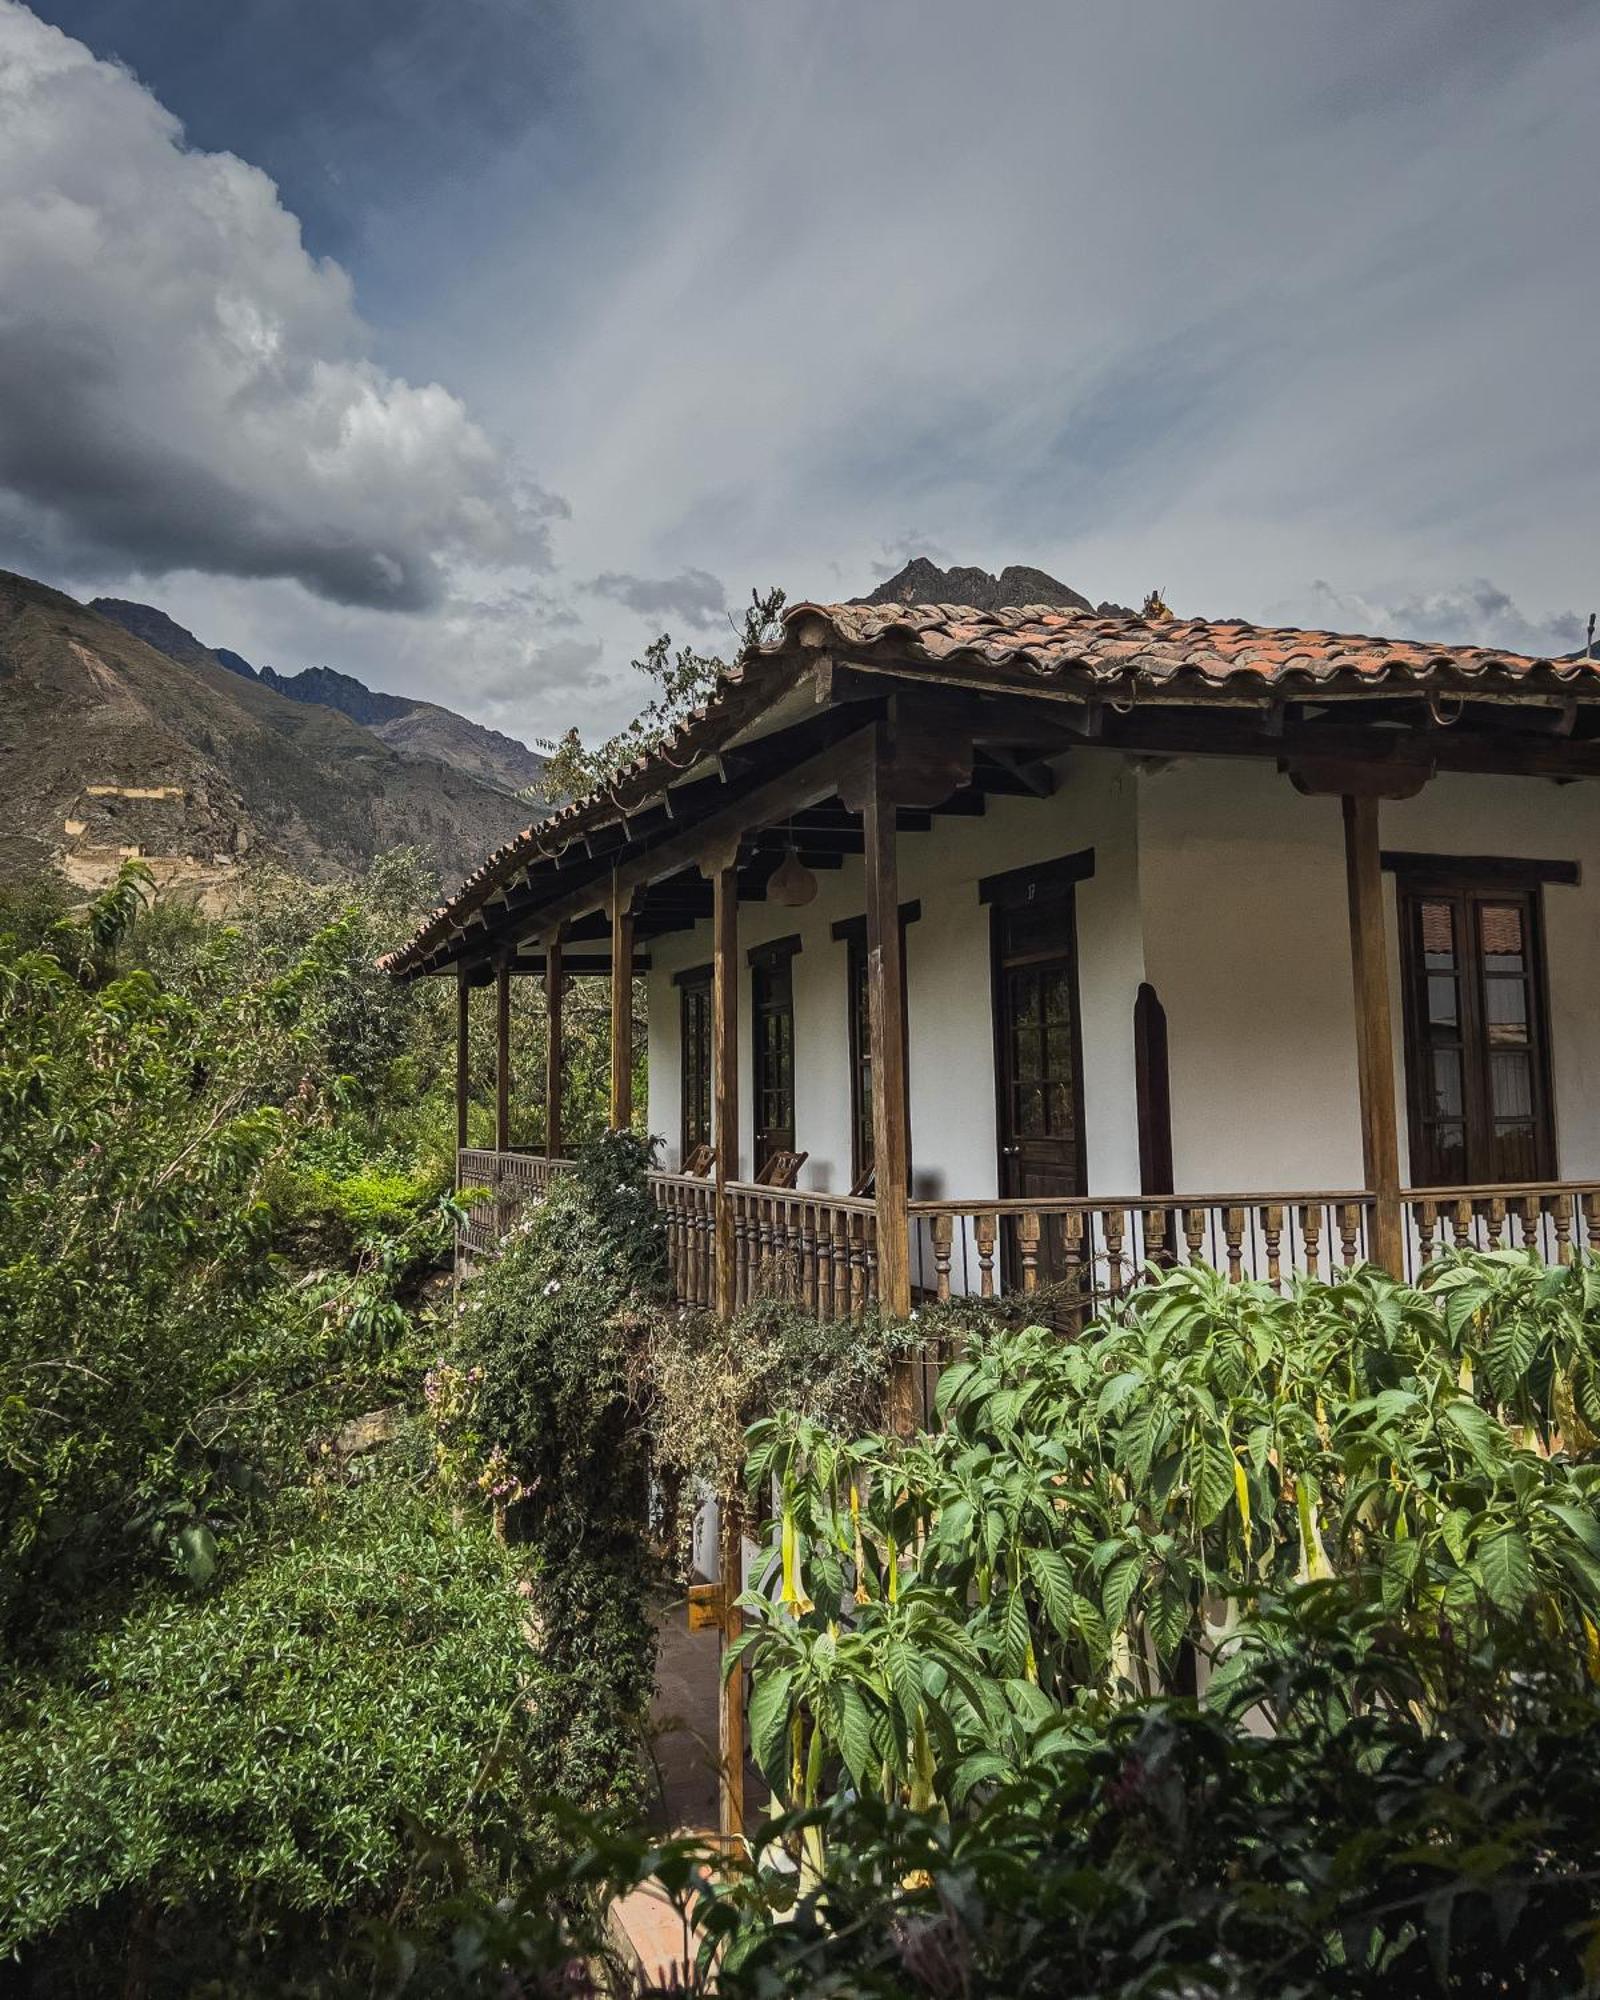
(540, 1409)
(265, 1762)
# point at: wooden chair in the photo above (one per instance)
(701, 1160)
(865, 1183)
(782, 1169)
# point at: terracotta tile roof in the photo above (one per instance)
(1143, 655)
(1120, 657)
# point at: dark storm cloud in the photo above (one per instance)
(182, 387)
(693, 595)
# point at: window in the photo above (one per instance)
(772, 1047)
(695, 1002)
(1477, 1054)
(858, 1031)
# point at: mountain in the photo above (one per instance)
(110, 744)
(419, 730)
(923, 582)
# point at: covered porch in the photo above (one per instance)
(894, 774)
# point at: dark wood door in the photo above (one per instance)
(1477, 1041)
(772, 1011)
(1039, 1057)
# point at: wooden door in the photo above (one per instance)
(1477, 1036)
(772, 1054)
(1039, 1057)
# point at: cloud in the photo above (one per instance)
(693, 595)
(1477, 613)
(183, 386)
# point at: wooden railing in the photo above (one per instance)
(513, 1178)
(818, 1250)
(1555, 1218)
(688, 1205)
(1098, 1246)
(821, 1250)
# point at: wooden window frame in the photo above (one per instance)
(765, 961)
(1467, 881)
(852, 933)
(694, 987)
(1015, 889)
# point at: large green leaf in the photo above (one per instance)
(1507, 1569)
(1210, 1475)
(769, 1724)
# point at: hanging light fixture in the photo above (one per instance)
(792, 882)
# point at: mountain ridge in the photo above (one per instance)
(111, 747)
(423, 731)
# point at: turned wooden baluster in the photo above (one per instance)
(1272, 1238)
(1194, 1234)
(858, 1266)
(983, 1233)
(1460, 1224)
(1113, 1222)
(1311, 1234)
(1028, 1249)
(745, 1224)
(1349, 1232)
(941, 1256)
(839, 1265)
(808, 1256)
(1155, 1236)
(1233, 1238)
(1590, 1205)
(1561, 1217)
(1427, 1221)
(869, 1255)
(1531, 1215)
(1497, 1223)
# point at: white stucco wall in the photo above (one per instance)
(1246, 937)
(1222, 886)
(948, 989)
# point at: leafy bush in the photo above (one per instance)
(1161, 1848)
(537, 1406)
(1087, 1512)
(709, 1380)
(262, 1762)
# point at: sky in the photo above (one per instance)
(465, 348)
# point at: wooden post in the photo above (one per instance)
(463, 1022)
(621, 1009)
(730, 1726)
(886, 1020)
(552, 1048)
(502, 1055)
(1369, 958)
(725, 1067)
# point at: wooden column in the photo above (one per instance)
(1369, 959)
(725, 1065)
(552, 1048)
(730, 1713)
(886, 1018)
(463, 1022)
(502, 1055)
(621, 1008)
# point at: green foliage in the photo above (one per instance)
(1161, 1848)
(258, 1763)
(711, 1379)
(1086, 1512)
(536, 1404)
(682, 680)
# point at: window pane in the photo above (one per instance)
(1505, 1006)
(1444, 1005)
(1439, 936)
(1446, 1084)
(1500, 928)
(1511, 1084)
(1448, 1146)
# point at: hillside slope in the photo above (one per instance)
(422, 730)
(108, 745)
